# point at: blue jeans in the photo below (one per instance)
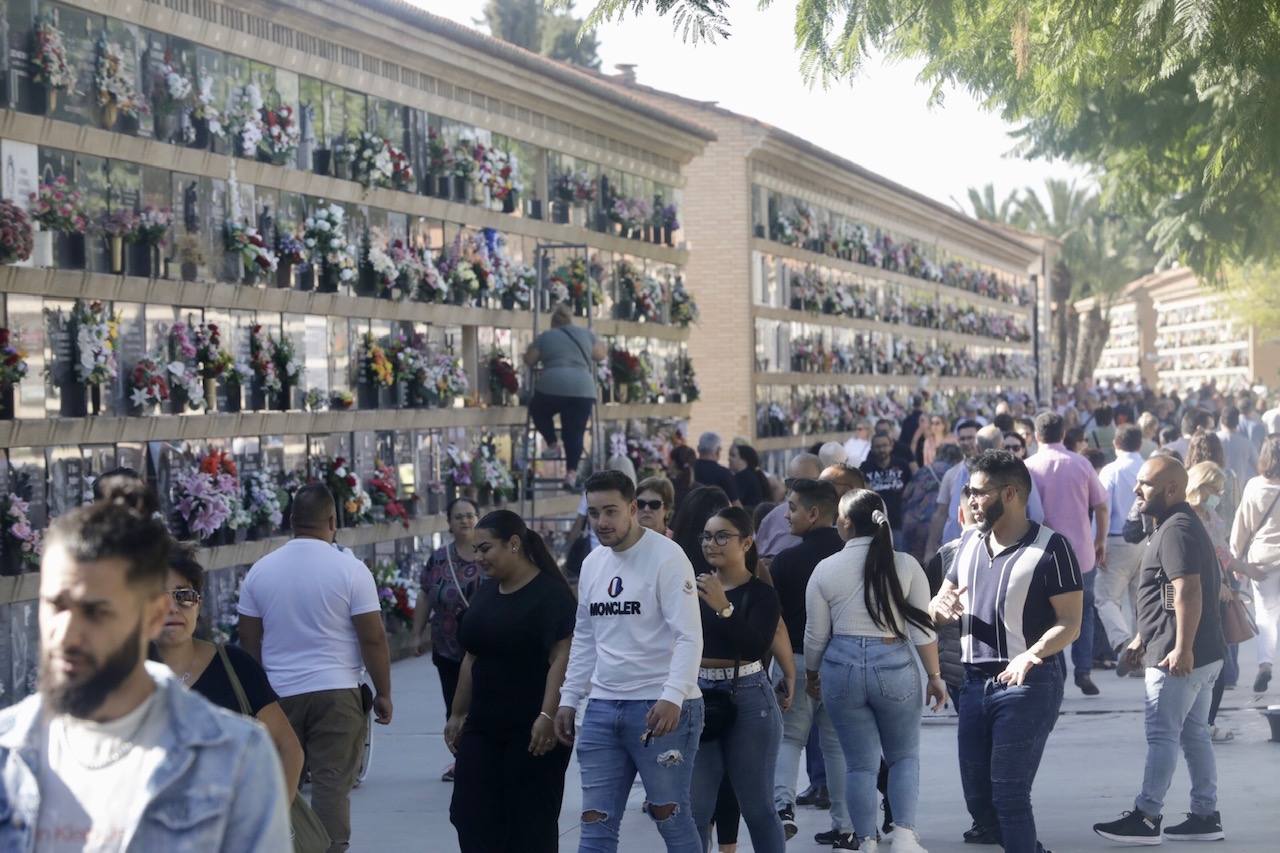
(1001, 738)
(1178, 711)
(610, 753)
(814, 766)
(807, 717)
(1082, 648)
(872, 692)
(748, 752)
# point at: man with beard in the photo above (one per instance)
(114, 753)
(888, 478)
(1180, 642)
(637, 644)
(1015, 587)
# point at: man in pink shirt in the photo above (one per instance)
(1071, 489)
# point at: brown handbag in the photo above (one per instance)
(1237, 624)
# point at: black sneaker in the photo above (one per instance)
(837, 839)
(982, 835)
(1132, 828)
(1264, 678)
(817, 796)
(1086, 685)
(1197, 828)
(787, 815)
(805, 798)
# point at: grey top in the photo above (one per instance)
(566, 362)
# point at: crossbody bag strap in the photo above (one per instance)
(1244, 555)
(577, 343)
(236, 686)
(448, 555)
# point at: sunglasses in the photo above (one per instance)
(653, 505)
(720, 537)
(185, 597)
(969, 491)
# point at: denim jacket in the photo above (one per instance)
(219, 788)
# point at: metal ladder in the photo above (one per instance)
(531, 484)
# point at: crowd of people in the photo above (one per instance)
(723, 623)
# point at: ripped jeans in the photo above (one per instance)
(611, 751)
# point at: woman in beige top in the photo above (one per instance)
(1255, 541)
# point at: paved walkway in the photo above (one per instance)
(1091, 771)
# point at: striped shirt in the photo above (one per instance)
(1006, 606)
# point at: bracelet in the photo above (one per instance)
(935, 675)
(548, 716)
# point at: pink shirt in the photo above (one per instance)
(1069, 487)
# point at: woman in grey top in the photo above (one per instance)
(565, 386)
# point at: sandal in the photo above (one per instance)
(1218, 734)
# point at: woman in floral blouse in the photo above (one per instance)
(449, 581)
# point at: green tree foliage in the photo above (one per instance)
(551, 32)
(1176, 103)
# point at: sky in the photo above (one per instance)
(880, 120)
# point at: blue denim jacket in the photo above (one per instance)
(219, 788)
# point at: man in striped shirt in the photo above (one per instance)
(1015, 586)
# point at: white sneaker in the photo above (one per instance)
(868, 845)
(906, 841)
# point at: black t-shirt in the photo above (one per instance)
(711, 473)
(748, 633)
(1180, 547)
(511, 636)
(215, 685)
(888, 483)
(791, 570)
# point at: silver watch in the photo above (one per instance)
(727, 612)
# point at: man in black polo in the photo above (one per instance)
(1180, 643)
(811, 512)
(707, 470)
(1016, 588)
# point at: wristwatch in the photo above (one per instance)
(727, 612)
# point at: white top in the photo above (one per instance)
(835, 603)
(306, 592)
(1119, 478)
(83, 808)
(1271, 420)
(1251, 518)
(856, 450)
(1240, 455)
(638, 633)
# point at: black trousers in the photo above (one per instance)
(728, 816)
(504, 799)
(449, 671)
(574, 413)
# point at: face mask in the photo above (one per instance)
(1212, 501)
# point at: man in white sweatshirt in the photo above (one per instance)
(635, 654)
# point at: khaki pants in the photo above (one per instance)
(1116, 590)
(330, 724)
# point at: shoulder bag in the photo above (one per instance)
(1237, 623)
(309, 834)
(718, 707)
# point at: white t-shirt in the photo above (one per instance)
(87, 809)
(305, 593)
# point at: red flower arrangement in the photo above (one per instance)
(384, 490)
(401, 168)
(217, 462)
(502, 374)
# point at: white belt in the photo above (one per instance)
(725, 673)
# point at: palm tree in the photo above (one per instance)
(985, 207)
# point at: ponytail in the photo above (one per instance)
(881, 588)
(505, 524)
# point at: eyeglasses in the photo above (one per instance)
(720, 537)
(185, 597)
(969, 491)
(653, 505)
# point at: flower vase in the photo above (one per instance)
(366, 396)
(168, 125)
(257, 396)
(7, 401)
(74, 400)
(210, 396)
(667, 235)
(476, 191)
(117, 254)
(259, 531)
(232, 267)
(440, 186)
(321, 160)
(328, 279)
(460, 189)
(508, 301)
(10, 557)
(140, 261)
(559, 213)
(250, 274)
(110, 115)
(387, 397)
(42, 249)
(534, 208)
(367, 281)
(189, 271)
(50, 100)
(509, 202)
(341, 169)
(203, 138)
(177, 400)
(69, 250)
(655, 232)
(95, 399)
(284, 398)
(235, 397)
(284, 275)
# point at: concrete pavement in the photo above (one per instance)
(1091, 771)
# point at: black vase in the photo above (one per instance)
(6, 401)
(321, 159)
(95, 399)
(74, 402)
(328, 279)
(203, 138)
(560, 213)
(509, 203)
(366, 396)
(139, 260)
(284, 398)
(535, 208)
(234, 397)
(257, 396)
(367, 283)
(69, 250)
(442, 183)
(508, 302)
(461, 189)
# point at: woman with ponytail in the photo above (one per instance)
(509, 777)
(865, 604)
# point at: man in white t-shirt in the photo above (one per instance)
(636, 648)
(113, 753)
(309, 612)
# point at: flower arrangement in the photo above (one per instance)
(172, 88)
(285, 357)
(253, 250)
(503, 378)
(409, 358)
(625, 367)
(207, 499)
(206, 110)
(631, 213)
(16, 238)
(489, 471)
(684, 311)
(13, 359)
(120, 223)
(437, 153)
(640, 296)
(446, 379)
(604, 375)
(376, 368)
(243, 117)
(666, 216)
(409, 270)
(465, 157)
(384, 490)
(214, 361)
(375, 162)
(315, 400)
(341, 400)
(688, 379)
(49, 57)
(263, 499)
(324, 235)
(575, 280)
(432, 286)
(152, 225)
(97, 336)
(459, 274)
(261, 363)
(148, 385)
(457, 466)
(15, 524)
(291, 251)
(575, 186)
(517, 287)
(184, 374)
(113, 89)
(58, 206)
(393, 593)
(387, 271)
(500, 173)
(347, 491)
(280, 134)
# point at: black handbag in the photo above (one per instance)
(718, 707)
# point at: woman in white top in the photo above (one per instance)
(1255, 542)
(865, 603)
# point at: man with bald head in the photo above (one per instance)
(1180, 643)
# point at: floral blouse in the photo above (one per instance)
(445, 600)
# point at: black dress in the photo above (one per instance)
(504, 798)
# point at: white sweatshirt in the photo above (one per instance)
(638, 633)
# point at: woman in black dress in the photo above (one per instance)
(509, 777)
